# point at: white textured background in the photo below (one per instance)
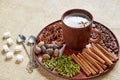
(30, 16)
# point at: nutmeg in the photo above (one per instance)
(46, 56)
(56, 53)
(41, 43)
(43, 49)
(49, 51)
(37, 49)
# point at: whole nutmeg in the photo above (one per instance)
(37, 49)
(41, 43)
(55, 47)
(43, 49)
(46, 56)
(49, 45)
(49, 51)
(56, 53)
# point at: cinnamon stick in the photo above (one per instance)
(99, 53)
(93, 61)
(102, 65)
(87, 66)
(114, 58)
(91, 65)
(75, 58)
(92, 54)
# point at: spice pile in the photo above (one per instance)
(63, 64)
(52, 33)
(94, 60)
(48, 50)
(108, 39)
(52, 59)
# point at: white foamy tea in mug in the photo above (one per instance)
(76, 20)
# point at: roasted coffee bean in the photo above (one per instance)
(109, 50)
(101, 42)
(116, 50)
(109, 41)
(107, 37)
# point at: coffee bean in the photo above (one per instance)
(116, 50)
(109, 50)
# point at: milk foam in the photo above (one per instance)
(76, 20)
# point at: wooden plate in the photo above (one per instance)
(108, 40)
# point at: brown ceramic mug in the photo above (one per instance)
(77, 28)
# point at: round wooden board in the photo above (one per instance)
(108, 37)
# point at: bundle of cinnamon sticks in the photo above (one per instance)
(95, 59)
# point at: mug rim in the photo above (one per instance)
(68, 12)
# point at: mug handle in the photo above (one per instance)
(98, 38)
